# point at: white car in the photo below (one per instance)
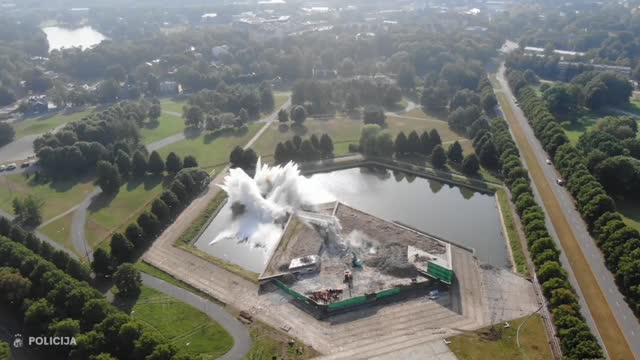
(11, 166)
(560, 182)
(3, 168)
(434, 294)
(548, 161)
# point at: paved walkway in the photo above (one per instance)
(43, 237)
(240, 334)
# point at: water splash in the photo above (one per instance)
(266, 200)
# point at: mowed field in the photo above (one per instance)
(501, 343)
(58, 196)
(212, 151)
(180, 324)
(111, 214)
(167, 125)
(60, 231)
(42, 124)
(344, 131)
(172, 105)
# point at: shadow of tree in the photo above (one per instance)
(192, 132)
(283, 128)
(100, 202)
(299, 129)
(237, 132)
(126, 302)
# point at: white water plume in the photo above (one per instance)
(265, 201)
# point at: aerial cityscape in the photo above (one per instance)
(302, 179)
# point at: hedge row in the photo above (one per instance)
(619, 243)
(59, 258)
(138, 235)
(576, 339)
(52, 303)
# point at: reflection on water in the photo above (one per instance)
(454, 213)
(84, 37)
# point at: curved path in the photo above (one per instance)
(43, 237)
(240, 334)
(79, 219)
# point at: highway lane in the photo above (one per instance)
(623, 314)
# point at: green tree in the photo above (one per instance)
(13, 287)
(414, 145)
(155, 111)
(326, 146)
(28, 210)
(283, 116)
(374, 115)
(434, 138)
(470, 164)
(454, 153)
(38, 316)
(108, 177)
(134, 234)
(139, 164)
(402, 144)
(123, 162)
(298, 114)
(160, 210)
(155, 165)
(173, 163)
(236, 157)
(127, 279)
(190, 162)
(121, 248)
(149, 224)
(438, 157)
(102, 263)
(193, 116)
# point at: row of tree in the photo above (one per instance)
(376, 142)
(576, 340)
(138, 235)
(620, 243)
(111, 174)
(59, 258)
(52, 303)
(299, 150)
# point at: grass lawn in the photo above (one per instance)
(633, 107)
(180, 324)
(579, 127)
(58, 196)
(341, 130)
(630, 212)
(280, 99)
(166, 126)
(512, 233)
(60, 231)
(268, 344)
(211, 151)
(483, 344)
(155, 272)
(108, 215)
(42, 124)
(172, 105)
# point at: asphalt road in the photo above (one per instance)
(240, 333)
(624, 316)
